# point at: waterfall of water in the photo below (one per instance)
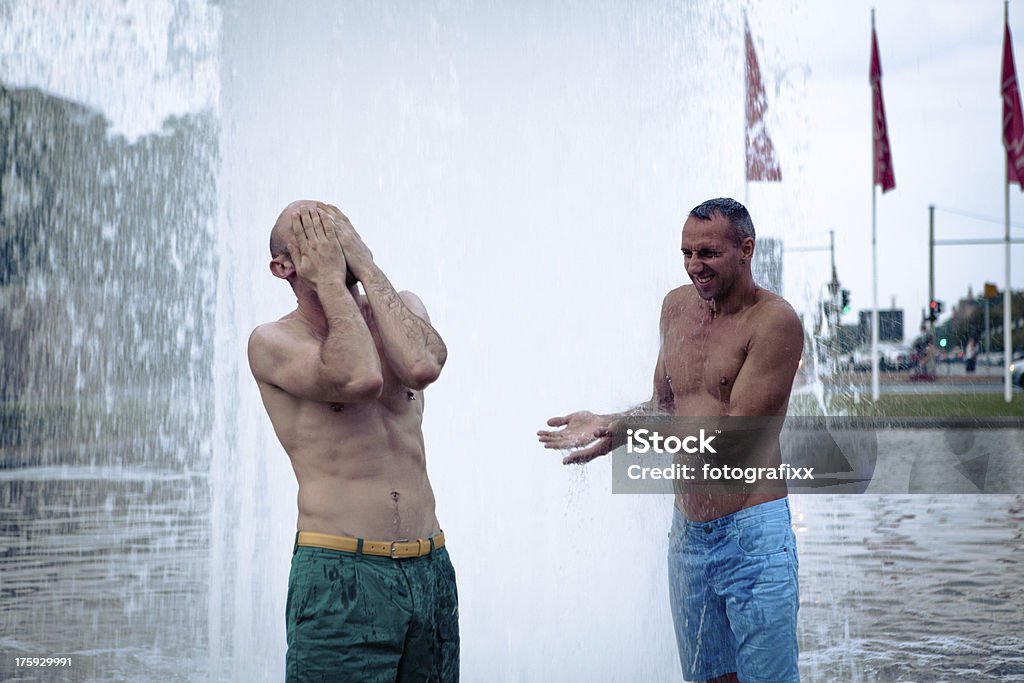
(108, 167)
(525, 170)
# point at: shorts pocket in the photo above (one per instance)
(327, 586)
(675, 541)
(677, 535)
(298, 590)
(763, 535)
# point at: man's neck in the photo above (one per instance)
(740, 296)
(311, 311)
(315, 321)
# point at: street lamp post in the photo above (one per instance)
(835, 313)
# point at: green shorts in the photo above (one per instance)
(357, 617)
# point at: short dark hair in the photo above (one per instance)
(278, 246)
(731, 210)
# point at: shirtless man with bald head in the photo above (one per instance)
(371, 594)
(728, 348)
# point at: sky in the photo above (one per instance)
(525, 168)
(941, 83)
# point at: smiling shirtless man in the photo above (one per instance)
(371, 594)
(728, 348)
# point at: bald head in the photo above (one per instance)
(282, 230)
(281, 236)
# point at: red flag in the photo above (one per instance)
(883, 155)
(1013, 121)
(761, 162)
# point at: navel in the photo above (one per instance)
(336, 407)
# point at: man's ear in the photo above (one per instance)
(282, 267)
(747, 248)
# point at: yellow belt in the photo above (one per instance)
(394, 549)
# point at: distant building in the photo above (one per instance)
(849, 337)
(890, 326)
(965, 307)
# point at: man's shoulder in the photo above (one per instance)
(414, 303)
(271, 341)
(274, 331)
(675, 303)
(679, 296)
(771, 313)
(772, 304)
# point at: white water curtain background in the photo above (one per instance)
(525, 169)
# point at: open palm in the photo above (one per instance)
(583, 430)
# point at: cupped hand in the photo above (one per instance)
(590, 434)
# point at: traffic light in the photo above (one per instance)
(846, 300)
(934, 309)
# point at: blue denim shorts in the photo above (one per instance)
(735, 595)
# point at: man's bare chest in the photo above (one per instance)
(704, 359)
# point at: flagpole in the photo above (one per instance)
(746, 131)
(1008, 294)
(874, 296)
(874, 264)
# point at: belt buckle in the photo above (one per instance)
(398, 540)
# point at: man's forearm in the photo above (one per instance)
(412, 346)
(646, 409)
(348, 352)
